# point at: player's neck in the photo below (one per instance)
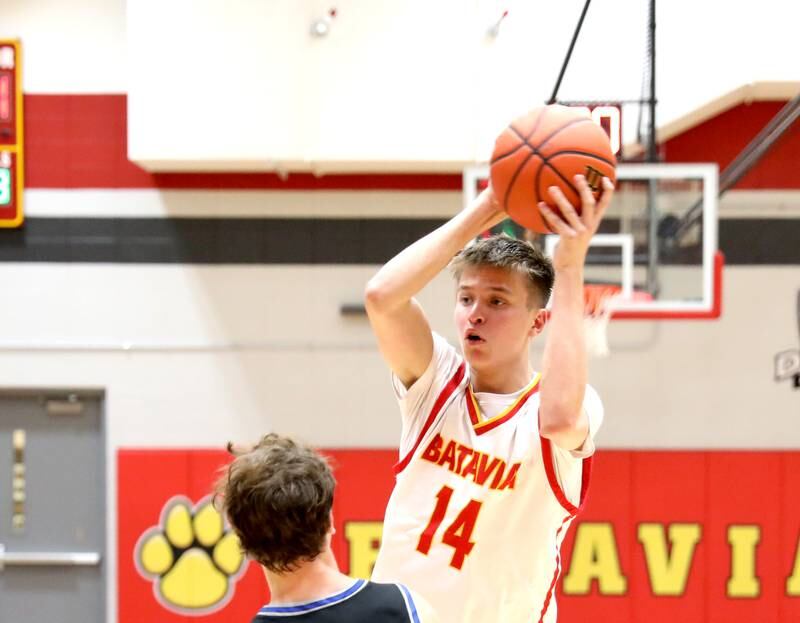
(502, 380)
(313, 580)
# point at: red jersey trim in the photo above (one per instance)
(572, 510)
(556, 573)
(444, 396)
(547, 459)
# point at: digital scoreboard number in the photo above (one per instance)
(608, 115)
(11, 134)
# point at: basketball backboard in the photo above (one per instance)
(658, 277)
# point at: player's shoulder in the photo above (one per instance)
(591, 398)
(446, 362)
(444, 350)
(383, 589)
(446, 358)
(406, 604)
(385, 594)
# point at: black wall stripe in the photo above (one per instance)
(210, 241)
(306, 241)
(751, 241)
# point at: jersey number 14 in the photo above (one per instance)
(458, 534)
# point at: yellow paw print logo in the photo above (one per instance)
(193, 560)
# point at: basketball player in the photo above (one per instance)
(494, 457)
(278, 498)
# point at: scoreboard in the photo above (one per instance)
(11, 134)
(608, 115)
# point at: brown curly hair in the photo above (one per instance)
(278, 497)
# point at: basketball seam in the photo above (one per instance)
(533, 130)
(524, 142)
(534, 152)
(580, 153)
(511, 153)
(545, 163)
(514, 178)
(563, 127)
(506, 155)
(524, 139)
(536, 188)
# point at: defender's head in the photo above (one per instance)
(278, 498)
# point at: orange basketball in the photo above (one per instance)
(548, 147)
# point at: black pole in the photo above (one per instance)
(653, 284)
(652, 147)
(569, 53)
(797, 376)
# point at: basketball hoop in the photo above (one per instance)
(598, 305)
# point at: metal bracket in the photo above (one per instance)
(48, 559)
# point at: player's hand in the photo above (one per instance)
(575, 231)
(491, 212)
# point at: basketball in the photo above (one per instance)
(549, 146)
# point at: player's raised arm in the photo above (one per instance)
(564, 364)
(398, 321)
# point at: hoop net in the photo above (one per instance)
(598, 305)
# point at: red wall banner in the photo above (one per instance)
(706, 537)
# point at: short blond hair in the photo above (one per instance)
(503, 251)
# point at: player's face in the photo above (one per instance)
(493, 316)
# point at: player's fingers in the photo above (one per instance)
(588, 202)
(568, 212)
(605, 198)
(556, 224)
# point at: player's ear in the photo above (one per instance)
(538, 322)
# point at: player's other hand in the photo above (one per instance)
(491, 212)
(575, 230)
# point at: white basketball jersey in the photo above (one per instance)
(481, 501)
